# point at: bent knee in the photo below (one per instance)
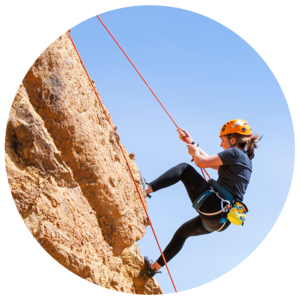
(183, 165)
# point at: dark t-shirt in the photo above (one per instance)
(235, 173)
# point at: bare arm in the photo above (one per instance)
(203, 160)
(203, 153)
(213, 161)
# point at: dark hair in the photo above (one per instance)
(245, 142)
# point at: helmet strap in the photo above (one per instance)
(229, 141)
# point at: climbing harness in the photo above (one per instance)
(233, 208)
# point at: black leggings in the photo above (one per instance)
(195, 185)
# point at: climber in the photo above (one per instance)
(234, 169)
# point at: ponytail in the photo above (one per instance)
(245, 142)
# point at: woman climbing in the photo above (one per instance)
(234, 169)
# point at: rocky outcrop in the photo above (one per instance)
(68, 178)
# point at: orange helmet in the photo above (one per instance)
(236, 126)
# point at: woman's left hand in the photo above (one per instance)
(192, 149)
(184, 135)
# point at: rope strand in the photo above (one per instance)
(146, 84)
(97, 95)
(137, 70)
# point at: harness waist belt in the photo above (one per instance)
(226, 195)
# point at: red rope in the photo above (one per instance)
(146, 84)
(126, 162)
(137, 71)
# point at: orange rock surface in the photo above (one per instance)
(69, 179)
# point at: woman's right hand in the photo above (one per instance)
(184, 135)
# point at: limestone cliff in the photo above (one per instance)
(68, 178)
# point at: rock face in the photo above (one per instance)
(69, 179)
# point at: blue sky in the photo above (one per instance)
(205, 75)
